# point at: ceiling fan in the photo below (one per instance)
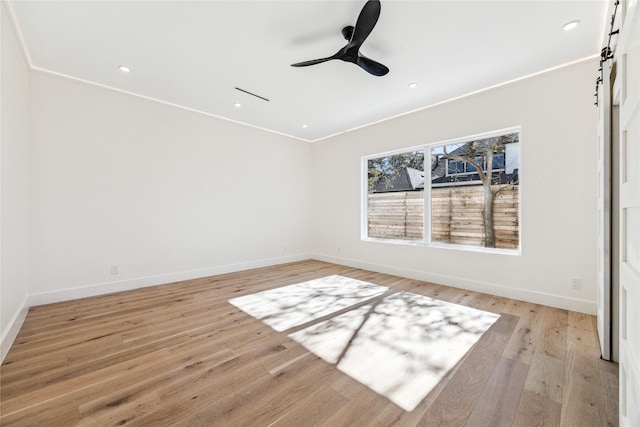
(355, 37)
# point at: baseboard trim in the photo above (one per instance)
(558, 301)
(9, 336)
(160, 279)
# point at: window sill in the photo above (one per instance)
(419, 243)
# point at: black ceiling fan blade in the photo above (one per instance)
(366, 21)
(356, 35)
(371, 66)
(312, 62)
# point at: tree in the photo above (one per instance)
(387, 167)
(470, 152)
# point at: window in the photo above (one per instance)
(450, 205)
(498, 161)
(395, 196)
(457, 167)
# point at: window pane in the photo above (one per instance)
(458, 201)
(395, 199)
(468, 167)
(455, 166)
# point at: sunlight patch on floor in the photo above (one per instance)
(289, 306)
(399, 345)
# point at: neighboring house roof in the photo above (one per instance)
(407, 179)
(417, 177)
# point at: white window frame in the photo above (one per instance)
(426, 238)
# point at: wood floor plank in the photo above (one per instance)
(537, 411)
(312, 409)
(361, 409)
(609, 378)
(127, 411)
(66, 415)
(181, 354)
(180, 373)
(456, 401)
(546, 377)
(505, 325)
(58, 368)
(77, 385)
(265, 400)
(552, 339)
(347, 386)
(523, 341)
(34, 380)
(499, 400)
(581, 320)
(585, 406)
(489, 303)
(182, 401)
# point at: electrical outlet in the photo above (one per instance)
(115, 269)
(576, 284)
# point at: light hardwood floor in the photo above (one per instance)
(180, 354)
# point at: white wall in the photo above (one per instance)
(14, 89)
(558, 140)
(163, 193)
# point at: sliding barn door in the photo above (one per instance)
(627, 57)
(604, 212)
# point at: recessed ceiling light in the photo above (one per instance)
(413, 85)
(570, 25)
(237, 105)
(304, 126)
(124, 68)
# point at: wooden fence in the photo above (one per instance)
(456, 215)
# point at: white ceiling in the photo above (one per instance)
(195, 53)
